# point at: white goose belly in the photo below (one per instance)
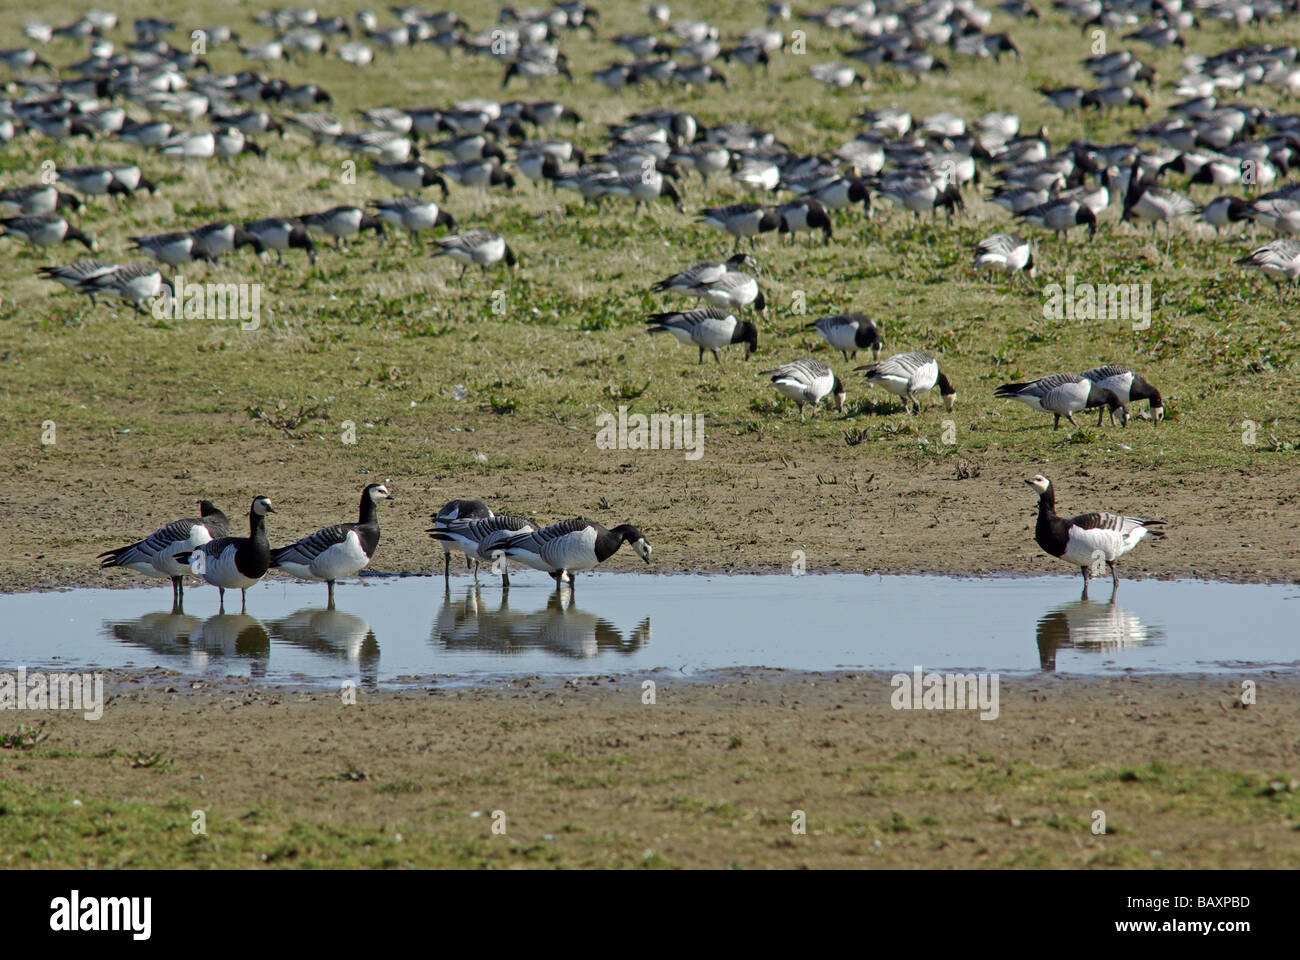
(333, 563)
(220, 571)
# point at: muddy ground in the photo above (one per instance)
(710, 775)
(748, 507)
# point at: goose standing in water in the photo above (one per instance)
(563, 548)
(342, 550)
(482, 539)
(1089, 537)
(154, 555)
(451, 512)
(230, 563)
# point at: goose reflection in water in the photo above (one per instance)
(1088, 625)
(332, 633)
(225, 636)
(558, 628)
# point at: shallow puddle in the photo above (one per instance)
(397, 629)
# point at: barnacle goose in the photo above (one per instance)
(1063, 395)
(280, 234)
(1226, 210)
(343, 221)
(339, 551)
(230, 563)
(154, 556)
(481, 539)
(133, 282)
(214, 239)
(907, 374)
(1006, 252)
(1061, 214)
(732, 289)
(45, 230)
(741, 220)
(1279, 260)
(413, 214)
(687, 283)
(799, 215)
(1128, 386)
(807, 381)
(452, 512)
(1088, 538)
(482, 247)
(35, 199)
(563, 548)
(709, 328)
(169, 248)
(849, 333)
(411, 176)
(73, 275)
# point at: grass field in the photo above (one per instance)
(381, 335)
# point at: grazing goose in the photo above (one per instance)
(1063, 395)
(411, 176)
(807, 381)
(36, 199)
(280, 234)
(230, 563)
(1089, 537)
(1144, 201)
(1060, 215)
(214, 239)
(482, 247)
(849, 333)
(923, 193)
(73, 275)
(800, 215)
(44, 231)
(481, 539)
(1128, 386)
(154, 556)
(413, 214)
(133, 282)
(741, 220)
(732, 289)
(687, 283)
(452, 512)
(563, 548)
(172, 249)
(338, 551)
(1279, 260)
(907, 374)
(1224, 211)
(343, 221)
(1006, 252)
(709, 328)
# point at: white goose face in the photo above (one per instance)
(1158, 414)
(643, 548)
(380, 492)
(1039, 483)
(262, 506)
(950, 401)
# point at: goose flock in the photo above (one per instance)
(1215, 162)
